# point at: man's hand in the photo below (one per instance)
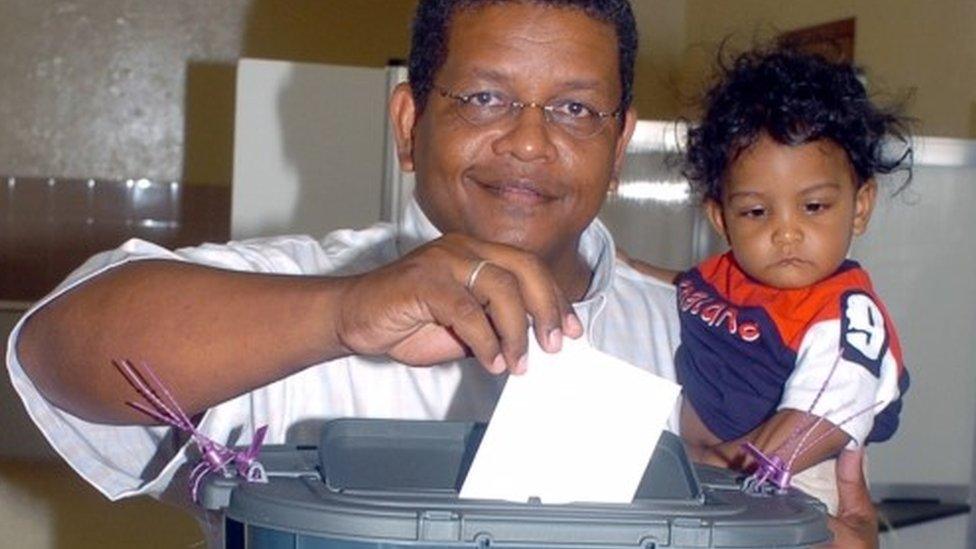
(856, 523)
(421, 309)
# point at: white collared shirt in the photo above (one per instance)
(625, 314)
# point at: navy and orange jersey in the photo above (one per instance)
(748, 350)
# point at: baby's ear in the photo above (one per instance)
(864, 205)
(713, 211)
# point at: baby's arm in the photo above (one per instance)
(781, 435)
(662, 274)
(849, 367)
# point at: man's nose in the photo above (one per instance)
(528, 136)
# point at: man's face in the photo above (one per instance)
(789, 212)
(520, 180)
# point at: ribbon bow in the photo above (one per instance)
(215, 457)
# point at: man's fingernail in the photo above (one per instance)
(555, 340)
(573, 325)
(522, 366)
(498, 365)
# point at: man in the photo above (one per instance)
(515, 121)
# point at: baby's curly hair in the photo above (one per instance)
(795, 98)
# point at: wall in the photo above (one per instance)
(661, 24)
(21, 439)
(96, 89)
(903, 43)
(46, 505)
(115, 89)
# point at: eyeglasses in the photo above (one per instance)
(487, 107)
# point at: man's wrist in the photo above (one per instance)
(328, 304)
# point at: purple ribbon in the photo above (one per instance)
(215, 457)
(769, 468)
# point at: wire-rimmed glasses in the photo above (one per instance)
(487, 107)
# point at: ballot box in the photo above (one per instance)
(394, 483)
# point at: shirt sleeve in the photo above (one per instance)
(128, 460)
(847, 370)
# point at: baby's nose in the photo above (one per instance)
(787, 233)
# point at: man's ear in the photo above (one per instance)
(864, 205)
(403, 116)
(713, 211)
(630, 122)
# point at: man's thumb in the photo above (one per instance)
(851, 485)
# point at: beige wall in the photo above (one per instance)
(119, 90)
(46, 505)
(930, 46)
(96, 89)
(662, 38)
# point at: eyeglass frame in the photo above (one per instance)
(519, 106)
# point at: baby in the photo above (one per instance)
(784, 342)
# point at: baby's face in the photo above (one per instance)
(789, 213)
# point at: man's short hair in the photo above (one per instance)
(431, 27)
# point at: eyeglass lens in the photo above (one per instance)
(579, 124)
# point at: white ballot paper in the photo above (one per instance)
(578, 426)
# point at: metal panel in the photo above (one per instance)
(653, 215)
(397, 185)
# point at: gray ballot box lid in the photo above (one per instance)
(394, 483)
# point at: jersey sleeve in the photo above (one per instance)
(849, 371)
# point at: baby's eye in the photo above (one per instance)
(815, 207)
(754, 212)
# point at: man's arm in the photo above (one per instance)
(212, 334)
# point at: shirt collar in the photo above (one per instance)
(596, 245)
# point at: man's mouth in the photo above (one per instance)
(521, 192)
